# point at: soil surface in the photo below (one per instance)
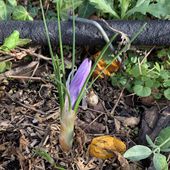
(30, 118)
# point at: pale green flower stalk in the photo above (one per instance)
(68, 115)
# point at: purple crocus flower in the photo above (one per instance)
(78, 80)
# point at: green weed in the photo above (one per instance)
(161, 144)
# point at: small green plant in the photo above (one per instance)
(11, 42)
(130, 8)
(43, 153)
(10, 10)
(161, 144)
(144, 78)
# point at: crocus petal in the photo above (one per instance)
(79, 80)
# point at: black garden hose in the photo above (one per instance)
(156, 32)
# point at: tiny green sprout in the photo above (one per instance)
(45, 155)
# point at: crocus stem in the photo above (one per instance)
(66, 130)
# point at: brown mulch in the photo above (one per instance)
(30, 118)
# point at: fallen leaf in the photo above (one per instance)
(128, 121)
(23, 143)
(104, 147)
(117, 125)
(92, 98)
(122, 161)
(82, 165)
(102, 64)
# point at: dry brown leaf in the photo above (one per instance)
(104, 147)
(128, 121)
(117, 125)
(82, 165)
(23, 143)
(92, 98)
(124, 164)
(101, 66)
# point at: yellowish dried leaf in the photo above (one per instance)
(103, 147)
(101, 66)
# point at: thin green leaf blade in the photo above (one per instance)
(148, 139)
(44, 155)
(137, 153)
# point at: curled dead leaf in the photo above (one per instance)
(92, 98)
(102, 64)
(103, 147)
(128, 121)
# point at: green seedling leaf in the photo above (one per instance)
(166, 150)
(3, 10)
(124, 4)
(166, 83)
(22, 42)
(142, 91)
(159, 162)
(149, 140)
(13, 41)
(136, 70)
(5, 66)
(165, 74)
(158, 9)
(167, 93)
(137, 153)
(104, 7)
(2, 66)
(66, 5)
(163, 139)
(42, 153)
(86, 9)
(142, 6)
(12, 2)
(20, 13)
(148, 82)
(10, 42)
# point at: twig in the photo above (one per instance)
(93, 121)
(25, 77)
(117, 102)
(28, 51)
(146, 55)
(17, 70)
(124, 37)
